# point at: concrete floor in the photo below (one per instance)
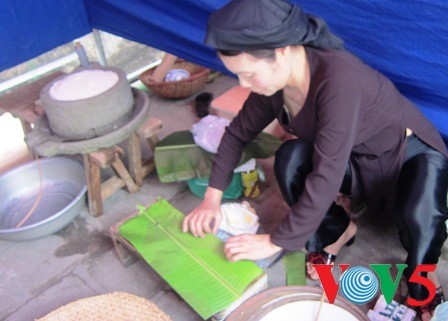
(39, 276)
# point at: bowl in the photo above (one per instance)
(177, 74)
(61, 200)
(178, 89)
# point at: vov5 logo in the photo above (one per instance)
(360, 285)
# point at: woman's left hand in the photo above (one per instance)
(250, 247)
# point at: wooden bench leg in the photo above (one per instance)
(148, 131)
(93, 179)
(150, 165)
(152, 140)
(126, 256)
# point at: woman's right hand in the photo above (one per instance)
(207, 216)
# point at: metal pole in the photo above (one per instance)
(99, 46)
(38, 72)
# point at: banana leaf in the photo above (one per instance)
(295, 268)
(178, 158)
(196, 268)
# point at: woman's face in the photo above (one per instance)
(262, 76)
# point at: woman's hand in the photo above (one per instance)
(207, 216)
(250, 247)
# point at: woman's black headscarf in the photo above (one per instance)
(266, 24)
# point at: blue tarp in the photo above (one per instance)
(29, 28)
(405, 39)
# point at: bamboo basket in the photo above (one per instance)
(116, 306)
(181, 88)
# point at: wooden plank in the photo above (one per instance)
(149, 132)
(152, 140)
(93, 179)
(110, 186)
(25, 96)
(104, 157)
(134, 155)
(150, 127)
(124, 175)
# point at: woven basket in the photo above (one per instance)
(116, 306)
(181, 88)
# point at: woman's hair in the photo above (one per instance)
(268, 54)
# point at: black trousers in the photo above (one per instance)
(420, 206)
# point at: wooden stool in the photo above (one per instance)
(131, 178)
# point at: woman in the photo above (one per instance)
(361, 142)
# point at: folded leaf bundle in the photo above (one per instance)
(178, 158)
(295, 268)
(196, 268)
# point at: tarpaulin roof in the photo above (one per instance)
(405, 39)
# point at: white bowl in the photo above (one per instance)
(176, 75)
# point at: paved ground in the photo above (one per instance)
(39, 276)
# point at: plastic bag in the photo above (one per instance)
(238, 218)
(208, 132)
(393, 311)
(441, 312)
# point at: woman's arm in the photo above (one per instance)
(250, 247)
(255, 115)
